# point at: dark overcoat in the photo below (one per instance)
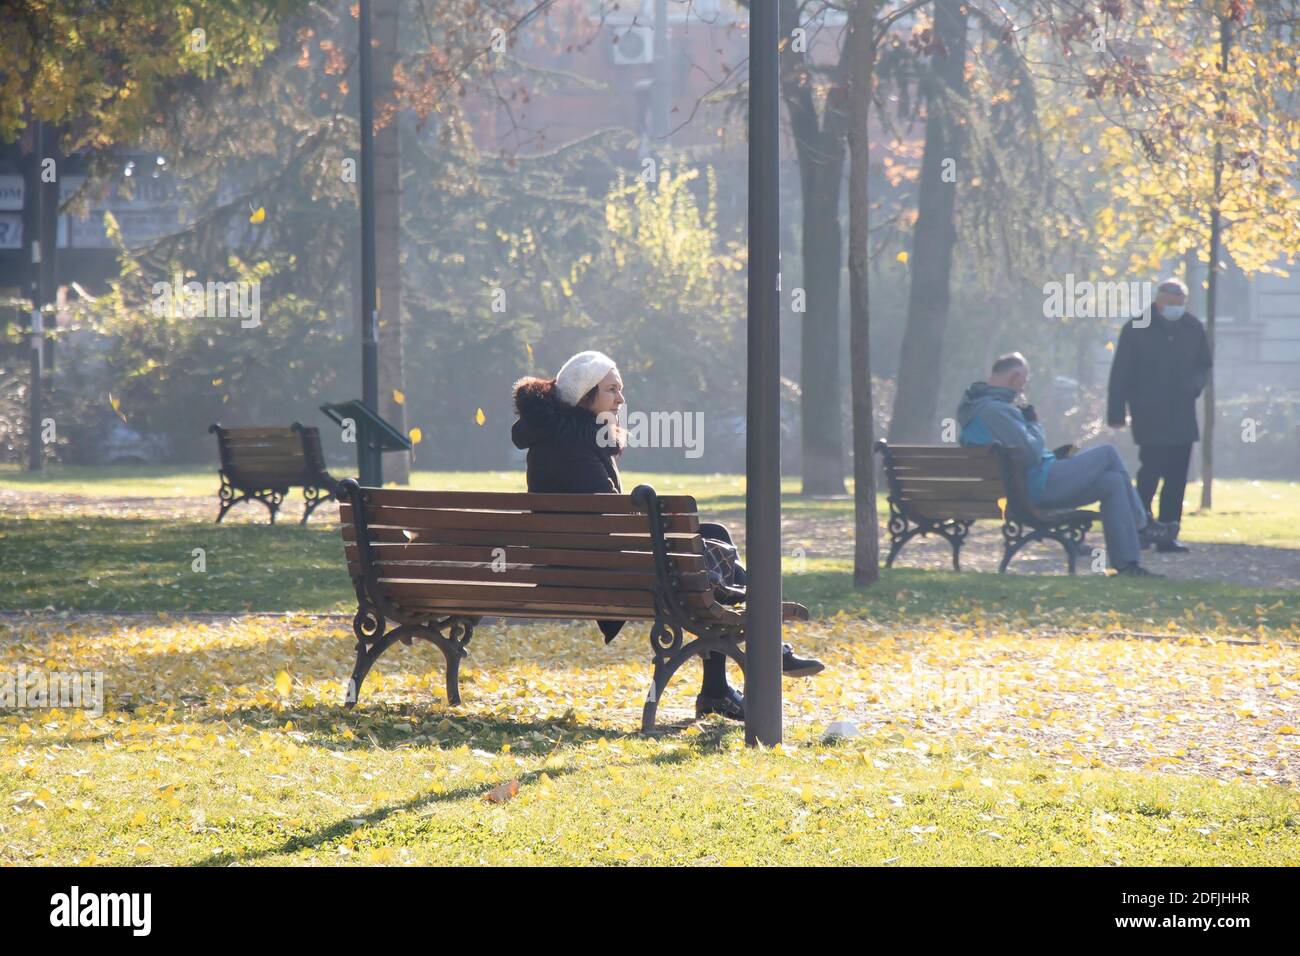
(1158, 373)
(564, 455)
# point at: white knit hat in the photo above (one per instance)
(580, 374)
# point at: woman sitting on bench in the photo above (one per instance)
(568, 424)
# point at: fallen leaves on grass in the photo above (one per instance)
(503, 792)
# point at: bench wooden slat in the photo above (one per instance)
(679, 544)
(260, 451)
(944, 468)
(555, 577)
(251, 472)
(938, 509)
(562, 557)
(902, 452)
(267, 468)
(717, 613)
(258, 431)
(509, 522)
(259, 480)
(952, 488)
(585, 612)
(524, 501)
(508, 595)
(284, 449)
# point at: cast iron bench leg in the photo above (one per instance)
(228, 497)
(955, 531)
(666, 666)
(313, 499)
(452, 645)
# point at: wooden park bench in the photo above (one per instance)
(944, 489)
(262, 464)
(433, 564)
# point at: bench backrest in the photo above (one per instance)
(518, 555)
(946, 481)
(271, 457)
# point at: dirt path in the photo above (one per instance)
(1246, 565)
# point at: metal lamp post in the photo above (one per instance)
(370, 460)
(763, 429)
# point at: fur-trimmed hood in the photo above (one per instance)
(544, 416)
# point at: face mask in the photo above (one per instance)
(1172, 311)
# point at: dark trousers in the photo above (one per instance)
(715, 665)
(1167, 463)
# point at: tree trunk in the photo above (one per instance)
(388, 224)
(1211, 296)
(823, 255)
(935, 235)
(1192, 276)
(866, 527)
(819, 145)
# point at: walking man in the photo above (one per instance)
(1161, 366)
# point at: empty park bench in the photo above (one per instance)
(262, 464)
(944, 489)
(433, 564)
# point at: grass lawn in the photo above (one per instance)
(224, 742)
(1001, 726)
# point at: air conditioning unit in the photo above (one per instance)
(634, 46)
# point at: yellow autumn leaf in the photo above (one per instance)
(1002, 506)
(480, 417)
(399, 397)
(415, 435)
(529, 349)
(259, 215)
(283, 683)
(901, 257)
(140, 819)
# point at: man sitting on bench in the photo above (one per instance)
(988, 413)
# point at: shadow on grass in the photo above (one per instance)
(397, 726)
(708, 741)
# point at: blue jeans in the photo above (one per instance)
(1098, 475)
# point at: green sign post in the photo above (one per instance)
(373, 435)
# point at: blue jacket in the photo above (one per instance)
(987, 415)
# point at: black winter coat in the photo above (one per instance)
(1157, 375)
(564, 456)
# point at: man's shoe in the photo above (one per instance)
(1154, 532)
(1172, 547)
(794, 666)
(794, 611)
(730, 705)
(1136, 570)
